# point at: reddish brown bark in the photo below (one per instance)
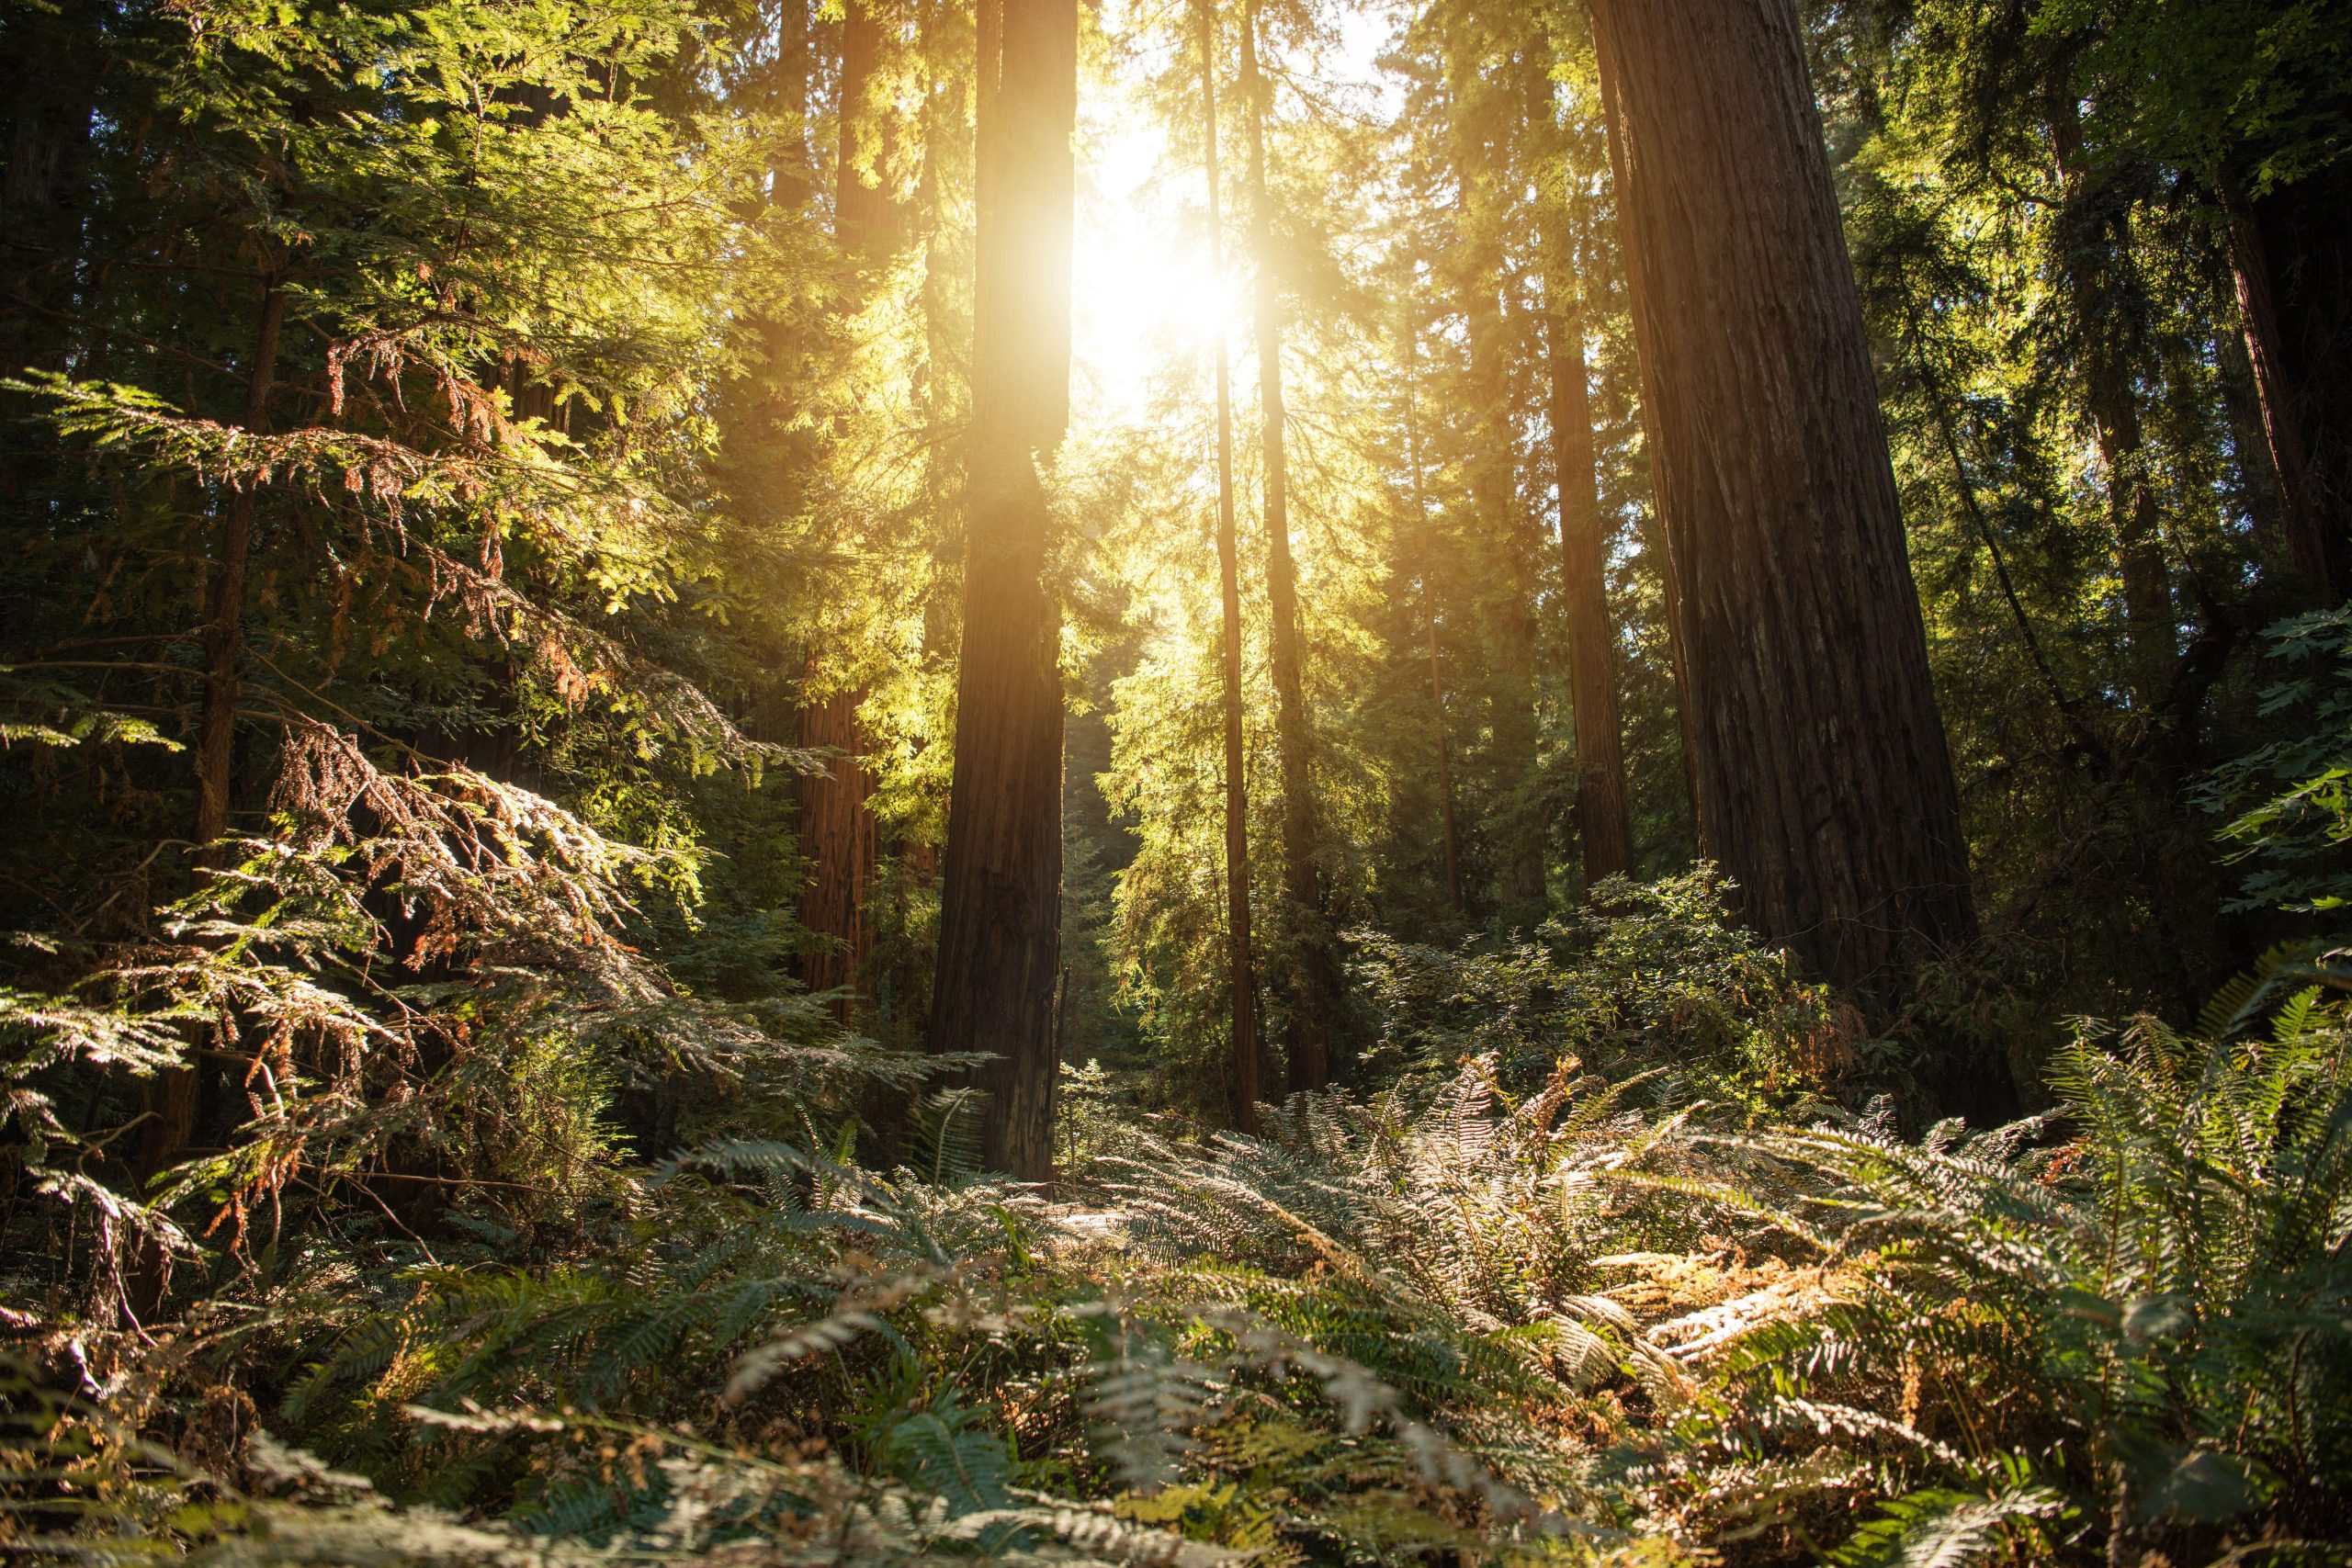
(1311, 980)
(1241, 976)
(1824, 784)
(1604, 827)
(839, 836)
(1000, 898)
(842, 841)
(2291, 252)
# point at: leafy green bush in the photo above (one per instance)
(2293, 798)
(1653, 976)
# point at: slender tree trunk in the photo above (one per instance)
(1000, 900)
(2098, 251)
(1605, 827)
(789, 183)
(224, 620)
(1603, 821)
(1311, 978)
(1940, 410)
(1519, 829)
(1448, 844)
(2291, 252)
(1824, 786)
(172, 1100)
(1501, 530)
(2249, 433)
(1241, 976)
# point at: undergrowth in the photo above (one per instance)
(1567, 1323)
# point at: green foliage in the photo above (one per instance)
(1655, 977)
(2293, 798)
(459, 1114)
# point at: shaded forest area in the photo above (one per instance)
(1180, 782)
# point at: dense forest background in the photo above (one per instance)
(881, 780)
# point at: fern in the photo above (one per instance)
(1942, 1529)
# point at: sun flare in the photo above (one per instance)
(1146, 291)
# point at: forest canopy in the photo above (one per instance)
(1176, 780)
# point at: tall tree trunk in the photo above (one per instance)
(2096, 240)
(866, 217)
(2291, 252)
(1501, 531)
(1000, 900)
(1311, 969)
(1824, 784)
(226, 601)
(1519, 828)
(839, 835)
(842, 841)
(1604, 827)
(172, 1100)
(1449, 845)
(1240, 973)
(789, 184)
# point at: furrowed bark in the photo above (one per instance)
(2291, 250)
(1824, 784)
(1604, 827)
(1000, 898)
(839, 836)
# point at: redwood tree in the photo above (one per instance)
(2291, 251)
(999, 935)
(1311, 980)
(839, 834)
(1824, 784)
(1241, 974)
(1604, 826)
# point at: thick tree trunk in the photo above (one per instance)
(1001, 902)
(1311, 978)
(2292, 250)
(1824, 786)
(839, 836)
(1604, 827)
(1241, 976)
